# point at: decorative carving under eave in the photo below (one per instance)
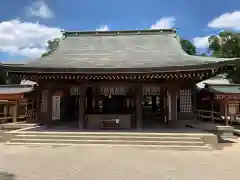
(173, 76)
(178, 75)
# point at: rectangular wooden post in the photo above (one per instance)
(172, 99)
(82, 107)
(15, 111)
(194, 100)
(139, 106)
(6, 110)
(49, 108)
(162, 104)
(38, 107)
(226, 113)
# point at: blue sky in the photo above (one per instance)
(25, 25)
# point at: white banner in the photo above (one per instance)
(56, 101)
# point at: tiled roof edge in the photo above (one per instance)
(115, 33)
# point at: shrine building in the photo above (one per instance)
(117, 79)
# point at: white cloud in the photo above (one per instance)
(226, 21)
(201, 42)
(103, 28)
(25, 38)
(39, 9)
(164, 23)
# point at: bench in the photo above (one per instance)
(22, 117)
(110, 124)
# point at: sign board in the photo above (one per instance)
(75, 91)
(232, 109)
(44, 102)
(56, 109)
(112, 91)
(151, 90)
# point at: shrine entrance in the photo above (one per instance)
(154, 106)
(70, 107)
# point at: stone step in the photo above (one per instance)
(152, 147)
(88, 137)
(142, 134)
(87, 141)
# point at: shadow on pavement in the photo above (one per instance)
(7, 176)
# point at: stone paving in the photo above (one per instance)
(117, 163)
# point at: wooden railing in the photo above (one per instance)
(206, 114)
(216, 116)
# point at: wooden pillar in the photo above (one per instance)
(162, 97)
(48, 117)
(16, 112)
(139, 116)
(172, 95)
(226, 112)
(6, 110)
(194, 100)
(82, 107)
(89, 94)
(154, 103)
(38, 106)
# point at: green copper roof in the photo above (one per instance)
(225, 88)
(15, 89)
(123, 51)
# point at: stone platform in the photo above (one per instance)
(183, 139)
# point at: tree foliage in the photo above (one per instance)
(227, 45)
(52, 46)
(188, 47)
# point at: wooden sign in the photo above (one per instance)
(112, 91)
(56, 102)
(232, 109)
(44, 102)
(151, 90)
(75, 91)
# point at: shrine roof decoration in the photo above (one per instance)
(133, 51)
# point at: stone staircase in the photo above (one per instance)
(155, 140)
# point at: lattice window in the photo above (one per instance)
(185, 100)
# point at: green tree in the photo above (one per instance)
(188, 47)
(52, 46)
(227, 45)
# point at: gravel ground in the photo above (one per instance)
(117, 163)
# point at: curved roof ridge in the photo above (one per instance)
(117, 32)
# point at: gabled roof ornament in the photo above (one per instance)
(174, 30)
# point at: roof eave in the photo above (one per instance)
(206, 66)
